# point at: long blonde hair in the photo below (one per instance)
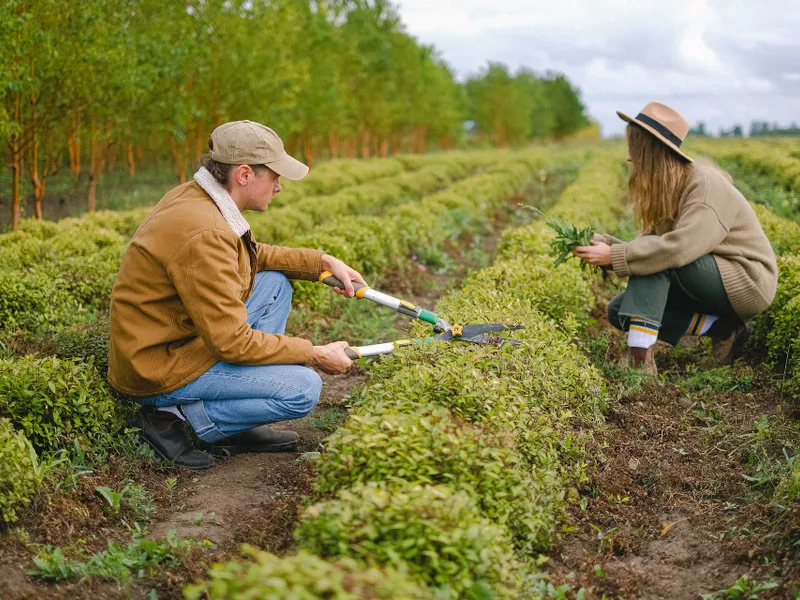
(657, 179)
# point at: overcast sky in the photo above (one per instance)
(718, 61)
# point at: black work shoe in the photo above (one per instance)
(164, 432)
(258, 439)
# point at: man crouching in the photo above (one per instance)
(199, 309)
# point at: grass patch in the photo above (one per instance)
(119, 563)
(328, 420)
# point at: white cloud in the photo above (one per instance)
(719, 61)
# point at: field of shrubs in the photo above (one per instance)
(458, 470)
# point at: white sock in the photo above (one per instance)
(642, 334)
(174, 410)
(700, 324)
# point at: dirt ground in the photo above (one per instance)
(668, 513)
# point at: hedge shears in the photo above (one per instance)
(476, 334)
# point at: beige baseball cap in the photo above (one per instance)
(251, 143)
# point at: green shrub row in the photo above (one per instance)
(455, 460)
(373, 244)
(499, 427)
(17, 471)
(768, 159)
(434, 531)
(304, 576)
(291, 216)
(54, 401)
(777, 330)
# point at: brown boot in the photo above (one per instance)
(728, 345)
(644, 359)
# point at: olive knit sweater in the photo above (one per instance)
(714, 218)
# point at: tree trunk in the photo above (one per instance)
(16, 168)
(131, 160)
(420, 139)
(308, 149)
(97, 162)
(333, 145)
(38, 195)
(33, 163)
(74, 157)
(384, 149)
(74, 145)
(112, 152)
(364, 143)
(201, 143)
(179, 161)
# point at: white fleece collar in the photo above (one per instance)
(225, 204)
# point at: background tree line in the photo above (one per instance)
(84, 85)
(757, 129)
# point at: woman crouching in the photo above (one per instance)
(702, 264)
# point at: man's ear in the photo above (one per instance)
(240, 174)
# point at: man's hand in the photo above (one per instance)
(598, 254)
(342, 272)
(331, 359)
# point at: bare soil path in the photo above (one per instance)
(668, 513)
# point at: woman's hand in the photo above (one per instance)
(599, 238)
(598, 254)
(343, 273)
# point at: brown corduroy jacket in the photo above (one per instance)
(177, 306)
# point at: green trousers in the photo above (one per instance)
(671, 298)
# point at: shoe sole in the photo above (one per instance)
(234, 450)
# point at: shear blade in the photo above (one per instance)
(478, 334)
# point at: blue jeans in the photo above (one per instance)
(229, 399)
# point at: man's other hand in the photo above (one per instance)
(343, 273)
(331, 358)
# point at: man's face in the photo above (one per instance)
(262, 187)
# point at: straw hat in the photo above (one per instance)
(663, 122)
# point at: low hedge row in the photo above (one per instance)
(456, 459)
(370, 246)
(768, 159)
(304, 576)
(54, 401)
(500, 425)
(291, 216)
(17, 471)
(777, 330)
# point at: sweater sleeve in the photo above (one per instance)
(205, 274)
(611, 240)
(697, 232)
(295, 263)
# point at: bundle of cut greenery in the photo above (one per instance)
(568, 237)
